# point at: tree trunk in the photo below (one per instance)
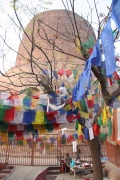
(95, 153)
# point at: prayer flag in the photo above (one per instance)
(108, 48)
(95, 56)
(116, 12)
(61, 72)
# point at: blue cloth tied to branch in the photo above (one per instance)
(95, 56)
(116, 12)
(83, 83)
(108, 48)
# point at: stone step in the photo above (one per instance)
(50, 177)
(3, 175)
(8, 171)
(10, 167)
(54, 167)
(2, 166)
(53, 172)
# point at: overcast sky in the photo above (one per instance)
(81, 8)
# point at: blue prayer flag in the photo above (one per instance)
(95, 56)
(108, 48)
(62, 111)
(45, 72)
(74, 94)
(116, 12)
(27, 102)
(29, 116)
(86, 133)
(81, 86)
(83, 83)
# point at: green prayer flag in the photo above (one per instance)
(89, 43)
(103, 136)
(83, 105)
(75, 72)
(20, 142)
(100, 121)
(2, 112)
(3, 126)
(76, 125)
(10, 134)
(49, 127)
(46, 119)
(63, 140)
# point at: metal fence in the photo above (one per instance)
(85, 151)
(44, 151)
(113, 152)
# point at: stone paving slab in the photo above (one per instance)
(31, 172)
(67, 176)
(26, 172)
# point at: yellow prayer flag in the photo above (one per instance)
(108, 112)
(39, 118)
(18, 108)
(68, 107)
(79, 129)
(84, 115)
(34, 102)
(89, 97)
(75, 104)
(78, 44)
(104, 115)
(24, 142)
(78, 105)
(4, 137)
(36, 126)
(42, 130)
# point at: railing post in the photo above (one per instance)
(7, 152)
(32, 153)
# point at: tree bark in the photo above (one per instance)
(95, 153)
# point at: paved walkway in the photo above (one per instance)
(67, 176)
(31, 172)
(26, 172)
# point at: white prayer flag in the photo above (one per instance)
(91, 135)
(5, 95)
(18, 117)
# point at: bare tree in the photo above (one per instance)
(49, 45)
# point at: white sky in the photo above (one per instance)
(81, 7)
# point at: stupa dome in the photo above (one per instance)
(52, 32)
(56, 26)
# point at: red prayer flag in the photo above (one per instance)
(61, 72)
(11, 128)
(68, 73)
(19, 135)
(91, 50)
(56, 126)
(96, 129)
(9, 114)
(71, 118)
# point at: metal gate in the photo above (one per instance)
(35, 152)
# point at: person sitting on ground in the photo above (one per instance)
(67, 158)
